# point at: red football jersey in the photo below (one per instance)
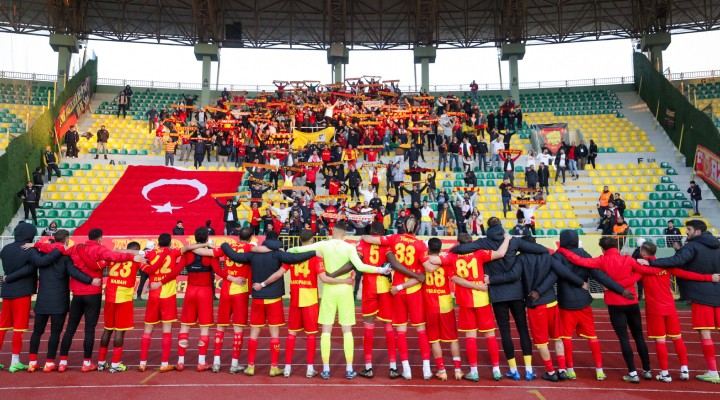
(164, 260)
(469, 267)
(304, 281)
(410, 252)
(437, 296)
(375, 255)
(236, 269)
(120, 285)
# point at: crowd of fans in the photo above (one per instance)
(380, 134)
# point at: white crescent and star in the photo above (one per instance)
(168, 207)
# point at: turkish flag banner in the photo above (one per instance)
(150, 200)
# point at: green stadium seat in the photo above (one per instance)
(660, 242)
(48, 205)
(649, 205)
(667, 196)
(640, 214)
(52, 214)
(552, 232)
(673, 188)
(665, 179)
(42, 223)
(687, 204)
(653, 196)
(629, 214)
(69, 223)
(655, 232)
(647, 223)
(60, 205)
(660, 223)
(86, 206)
(79, 214)
(540, 232)
(640, 232)
(667, 213)
(73, 205)
(660, 188)
(681, 214)
(634, 223)
(66, 214)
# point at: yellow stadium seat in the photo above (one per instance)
(509, 224)
(642, 196)
(55, 196)
(560, 224)
(573, 224)
(547, 225)
(92, 197)
(629, 197)
(567, 206)
(545, 215)
(67, 197)
(553, 206)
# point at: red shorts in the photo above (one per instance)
(441, 327)
(408, 304)
(15, 314)
(581, 320)
(659, 326)
(479, 319)
(235, 305)
(197, 306)
(705, 317)
(119, 316)
(380, 304)
(544, 324)
(267, 311)
(161, 310)
(304, 318)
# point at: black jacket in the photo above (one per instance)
(228, 211)
(20, 264)
(695, 193)
(53, 295)
(414, 196)
(539, 273)
(353, 179)
(495, 236)
(543, 176)
(265, 264)
(31, 194)
(531, 176)
(571, 297)
(581, 151)
(178, 231)
(700, 254)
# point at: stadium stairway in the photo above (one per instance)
(666, 151)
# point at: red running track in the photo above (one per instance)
(132, 384)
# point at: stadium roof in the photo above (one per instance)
(359, 24)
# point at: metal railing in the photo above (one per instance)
(405, 88)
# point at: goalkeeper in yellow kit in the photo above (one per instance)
(338, 298)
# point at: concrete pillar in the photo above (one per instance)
(65, 46)
(513, 52)
(337, 56)
(424, 56)
(655, 44)
(207, 53)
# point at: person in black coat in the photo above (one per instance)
(354, 181)
(230, 216)
(30, 196)
(179, 229)
(695, 196)
(53, 299)
(574, 301)
(538, 273)
(544, 178)
(593, 151)
(506, 298)
(38, 182)
(20, 264)
(71, 139)
(531, 177)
